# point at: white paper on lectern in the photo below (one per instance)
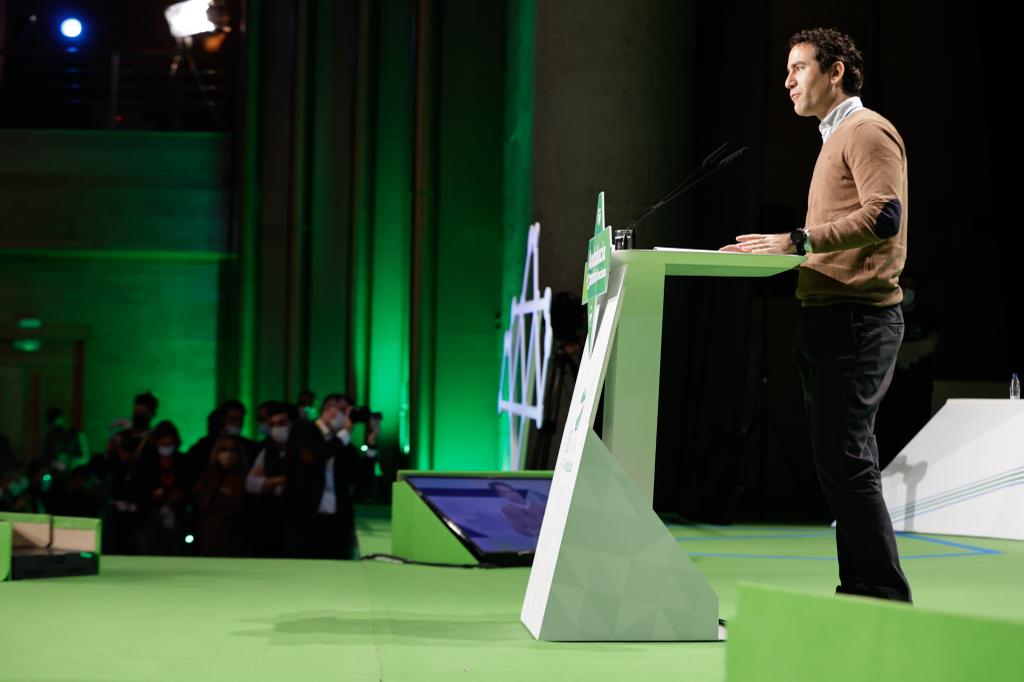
(675, 250)
(671, 249)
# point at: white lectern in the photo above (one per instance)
(606, 567)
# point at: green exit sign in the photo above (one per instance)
(27, 345)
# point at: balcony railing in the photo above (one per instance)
(139, 90)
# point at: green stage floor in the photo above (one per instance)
(149, 618)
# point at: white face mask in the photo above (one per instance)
(280, 434)
(231, 430)
(338, 422)
(166, 450)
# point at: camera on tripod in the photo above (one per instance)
(362, 415)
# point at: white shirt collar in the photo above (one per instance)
(837, 116)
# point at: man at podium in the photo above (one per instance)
(855, 240)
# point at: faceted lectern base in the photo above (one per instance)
(620, 575)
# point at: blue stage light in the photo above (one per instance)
(71, 28)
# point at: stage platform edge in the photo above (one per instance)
(781, 634)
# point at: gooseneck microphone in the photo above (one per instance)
(714, 162)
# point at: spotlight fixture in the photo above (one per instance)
(208, 19)
(71, 28)
(193, 17)
(189, 18)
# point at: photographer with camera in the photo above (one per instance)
(320, 467)
(364, 481)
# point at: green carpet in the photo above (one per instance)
(150, 618)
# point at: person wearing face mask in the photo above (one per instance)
(263, 419)
(319, 465)
(226, 420)
(161, 485)
(218, 496)
(233, 412)
(265, 482)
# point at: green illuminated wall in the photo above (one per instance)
(293, 285)
(151, 326)
(245, 279)
(390, 258)
(399, 111)
(119, 236)
(333, 269)
(518, 161)
(330, 197)
(469, 237)
(362, 200)
(431, 260)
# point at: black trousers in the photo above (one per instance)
(846, 354)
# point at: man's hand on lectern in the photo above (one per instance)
(761, 243)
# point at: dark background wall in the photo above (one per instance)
(359, 221)
(920, 65)
(613, 95)
(629, 98)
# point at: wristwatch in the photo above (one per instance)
(798, 237)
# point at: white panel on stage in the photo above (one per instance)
(963, 473)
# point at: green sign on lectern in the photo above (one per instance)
(599, 258)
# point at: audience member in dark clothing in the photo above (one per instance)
(226, 420)
(36, 494)
(6, 456)
(219, 500)
(162, 485)
(82, 494)
(234, 417)
(121, 513)
(295, 501)
(319, 464)
(62, 450)
(266, 482)
(136, 437)
(198, 456)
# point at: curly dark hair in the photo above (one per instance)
(833, 46)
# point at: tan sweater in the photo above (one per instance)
(857, 216)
